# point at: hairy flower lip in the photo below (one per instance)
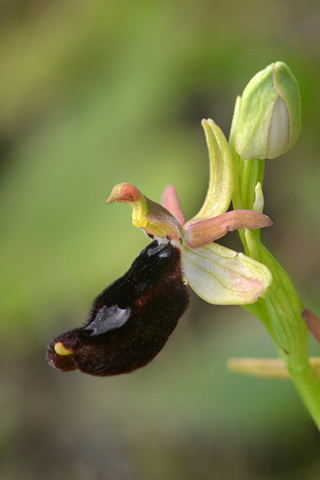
(131, 320)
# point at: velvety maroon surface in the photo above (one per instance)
(131, 320)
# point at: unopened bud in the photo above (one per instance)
(269, 121)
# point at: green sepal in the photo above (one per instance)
(221, 182)
(224, 277)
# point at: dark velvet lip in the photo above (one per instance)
(131, 320)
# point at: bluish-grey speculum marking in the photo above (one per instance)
(108, 318)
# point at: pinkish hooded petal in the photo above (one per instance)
(206, 231)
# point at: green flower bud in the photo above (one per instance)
(269, 120)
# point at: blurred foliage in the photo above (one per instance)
(95, 93)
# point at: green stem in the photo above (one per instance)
(252, 172)
(308, 385)
(280, 309)
(247, 174)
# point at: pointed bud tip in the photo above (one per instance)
(207, 121)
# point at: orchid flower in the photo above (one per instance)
(131, 320)
(217, 274)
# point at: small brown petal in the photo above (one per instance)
(313, 323)
(207, 231)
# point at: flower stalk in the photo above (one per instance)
(281, 308)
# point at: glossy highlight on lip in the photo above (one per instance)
(131, 320)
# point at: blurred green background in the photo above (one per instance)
(94, 93)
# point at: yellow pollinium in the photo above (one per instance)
(138, 218)
(61, 350)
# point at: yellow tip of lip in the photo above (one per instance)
(61, 350)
